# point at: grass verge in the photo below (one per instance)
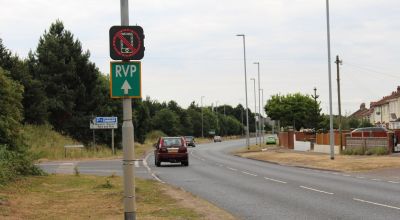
(92, 197)
(345, 163)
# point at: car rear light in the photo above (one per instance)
(182, 150)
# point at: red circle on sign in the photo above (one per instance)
(131, 50)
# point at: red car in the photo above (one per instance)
(171, 149)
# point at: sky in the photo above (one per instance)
(192, 49)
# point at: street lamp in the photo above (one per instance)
(262, 125)
(259, 99)
(331, 137)
(202, 122)
(255, 109)
(245, 86)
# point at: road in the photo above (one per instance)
(252, 189)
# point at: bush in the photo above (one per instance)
(377, 151)
(353, 151)
(152, 136)
(14, 164)
(371, 151)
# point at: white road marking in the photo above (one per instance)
(251, 174)
(316, 190)
(376, 179)
(149, 169)
(375, 203)
(66, 164)
(360, 177)
(393, 182)
(136, 163)
(232, 168)
(346, 175)
(278, 181)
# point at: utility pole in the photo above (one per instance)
(255, 110)
(202, 121)
(259, 98)
(339, 62)
(262, 123)
(216, 110)
(128, 141)
(315, 96)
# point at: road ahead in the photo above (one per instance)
(257, 190)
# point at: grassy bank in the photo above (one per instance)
(91, 197)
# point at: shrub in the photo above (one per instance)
(14, 164)
(353, 151)
(378, 151)
(152, 136)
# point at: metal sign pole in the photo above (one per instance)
(128, 141)
(112, 141)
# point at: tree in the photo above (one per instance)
(10, 112)
(34, 99)
(295, 110)
(70, 81)
(167, 121)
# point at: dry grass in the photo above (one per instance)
(48, 144)
(90, 197)
(322, 161)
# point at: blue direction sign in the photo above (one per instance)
(104, 123)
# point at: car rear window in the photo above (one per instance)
(172, 142)
(189, 138)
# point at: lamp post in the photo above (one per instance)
(202, 121)
(255, 110)
(245, 87)
(259, 98)
(331, 137)
(262, 125)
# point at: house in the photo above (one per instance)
(386, 111)
(363, 113)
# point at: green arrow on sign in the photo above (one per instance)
(125, 79)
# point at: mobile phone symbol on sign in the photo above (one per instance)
(128, 37)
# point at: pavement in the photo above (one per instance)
(252, 189)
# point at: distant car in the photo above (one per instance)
(217, 139)
(369, 132)
(271, 140)
(171, 149)
(190, 141)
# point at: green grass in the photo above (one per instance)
(86, 197)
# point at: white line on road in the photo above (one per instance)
(275, 180)
(66, 164)
(376, 179)
(374, 203)
(360, 177)
(346, 175)
(393, 182)
(232, 168)
(149, 169)
(316, 190)
(251, 174)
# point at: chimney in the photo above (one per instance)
(362, 106)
